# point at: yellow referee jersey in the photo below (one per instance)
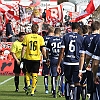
(17, 48)
(33, 42)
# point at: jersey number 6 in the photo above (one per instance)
(71, 46)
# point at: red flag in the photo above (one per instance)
(91, 7)
(10, 15)
(16, 18)
(73, 15)
(4, 8)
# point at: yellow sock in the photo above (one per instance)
(34, 82)
(28, 78)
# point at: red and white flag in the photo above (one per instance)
(73, 15)
(4, 8)
(91, 7)
(10, 15)
(54, 14)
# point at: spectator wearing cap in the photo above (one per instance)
(68, 27)
(90, 21)
(9, 32)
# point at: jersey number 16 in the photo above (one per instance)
(33, 45)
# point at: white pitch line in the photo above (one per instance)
(6, 80)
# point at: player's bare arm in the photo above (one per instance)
(44, 52)
(81, 63)
(87, 60)
(95, 64)
(61, 54)
(14, 56)
(23, 51)
(47, 54)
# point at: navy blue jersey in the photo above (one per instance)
(86, 42)
(46, 38)
(96, 54)
(54, 45)
(72, 43)
(85, 35)
(91, 48)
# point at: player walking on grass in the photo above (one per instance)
(16, 53)
(46, 69)
(71, 45)
(96, 69)
(54, 45)
(32, 44)
(92, 51)
(86, 54)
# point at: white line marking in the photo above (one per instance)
(6, 80)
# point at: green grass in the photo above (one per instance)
(7, 90)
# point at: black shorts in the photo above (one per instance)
(32, 66)
(71, 73)
(46, 69)
(17, 68)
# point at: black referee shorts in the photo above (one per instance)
(17, 68)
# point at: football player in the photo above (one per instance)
(54, 45)
(71, 45)
(46, 68)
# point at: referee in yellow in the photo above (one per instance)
(33, 46)
(16, 53)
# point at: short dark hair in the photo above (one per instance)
(21, 33)
(75, 25)
(50, 29)
(80, 32)
(85, 29)
(35, 28)
(57, 30)
(95, 26)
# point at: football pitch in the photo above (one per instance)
(7, 90)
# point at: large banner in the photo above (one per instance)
(6, 67)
